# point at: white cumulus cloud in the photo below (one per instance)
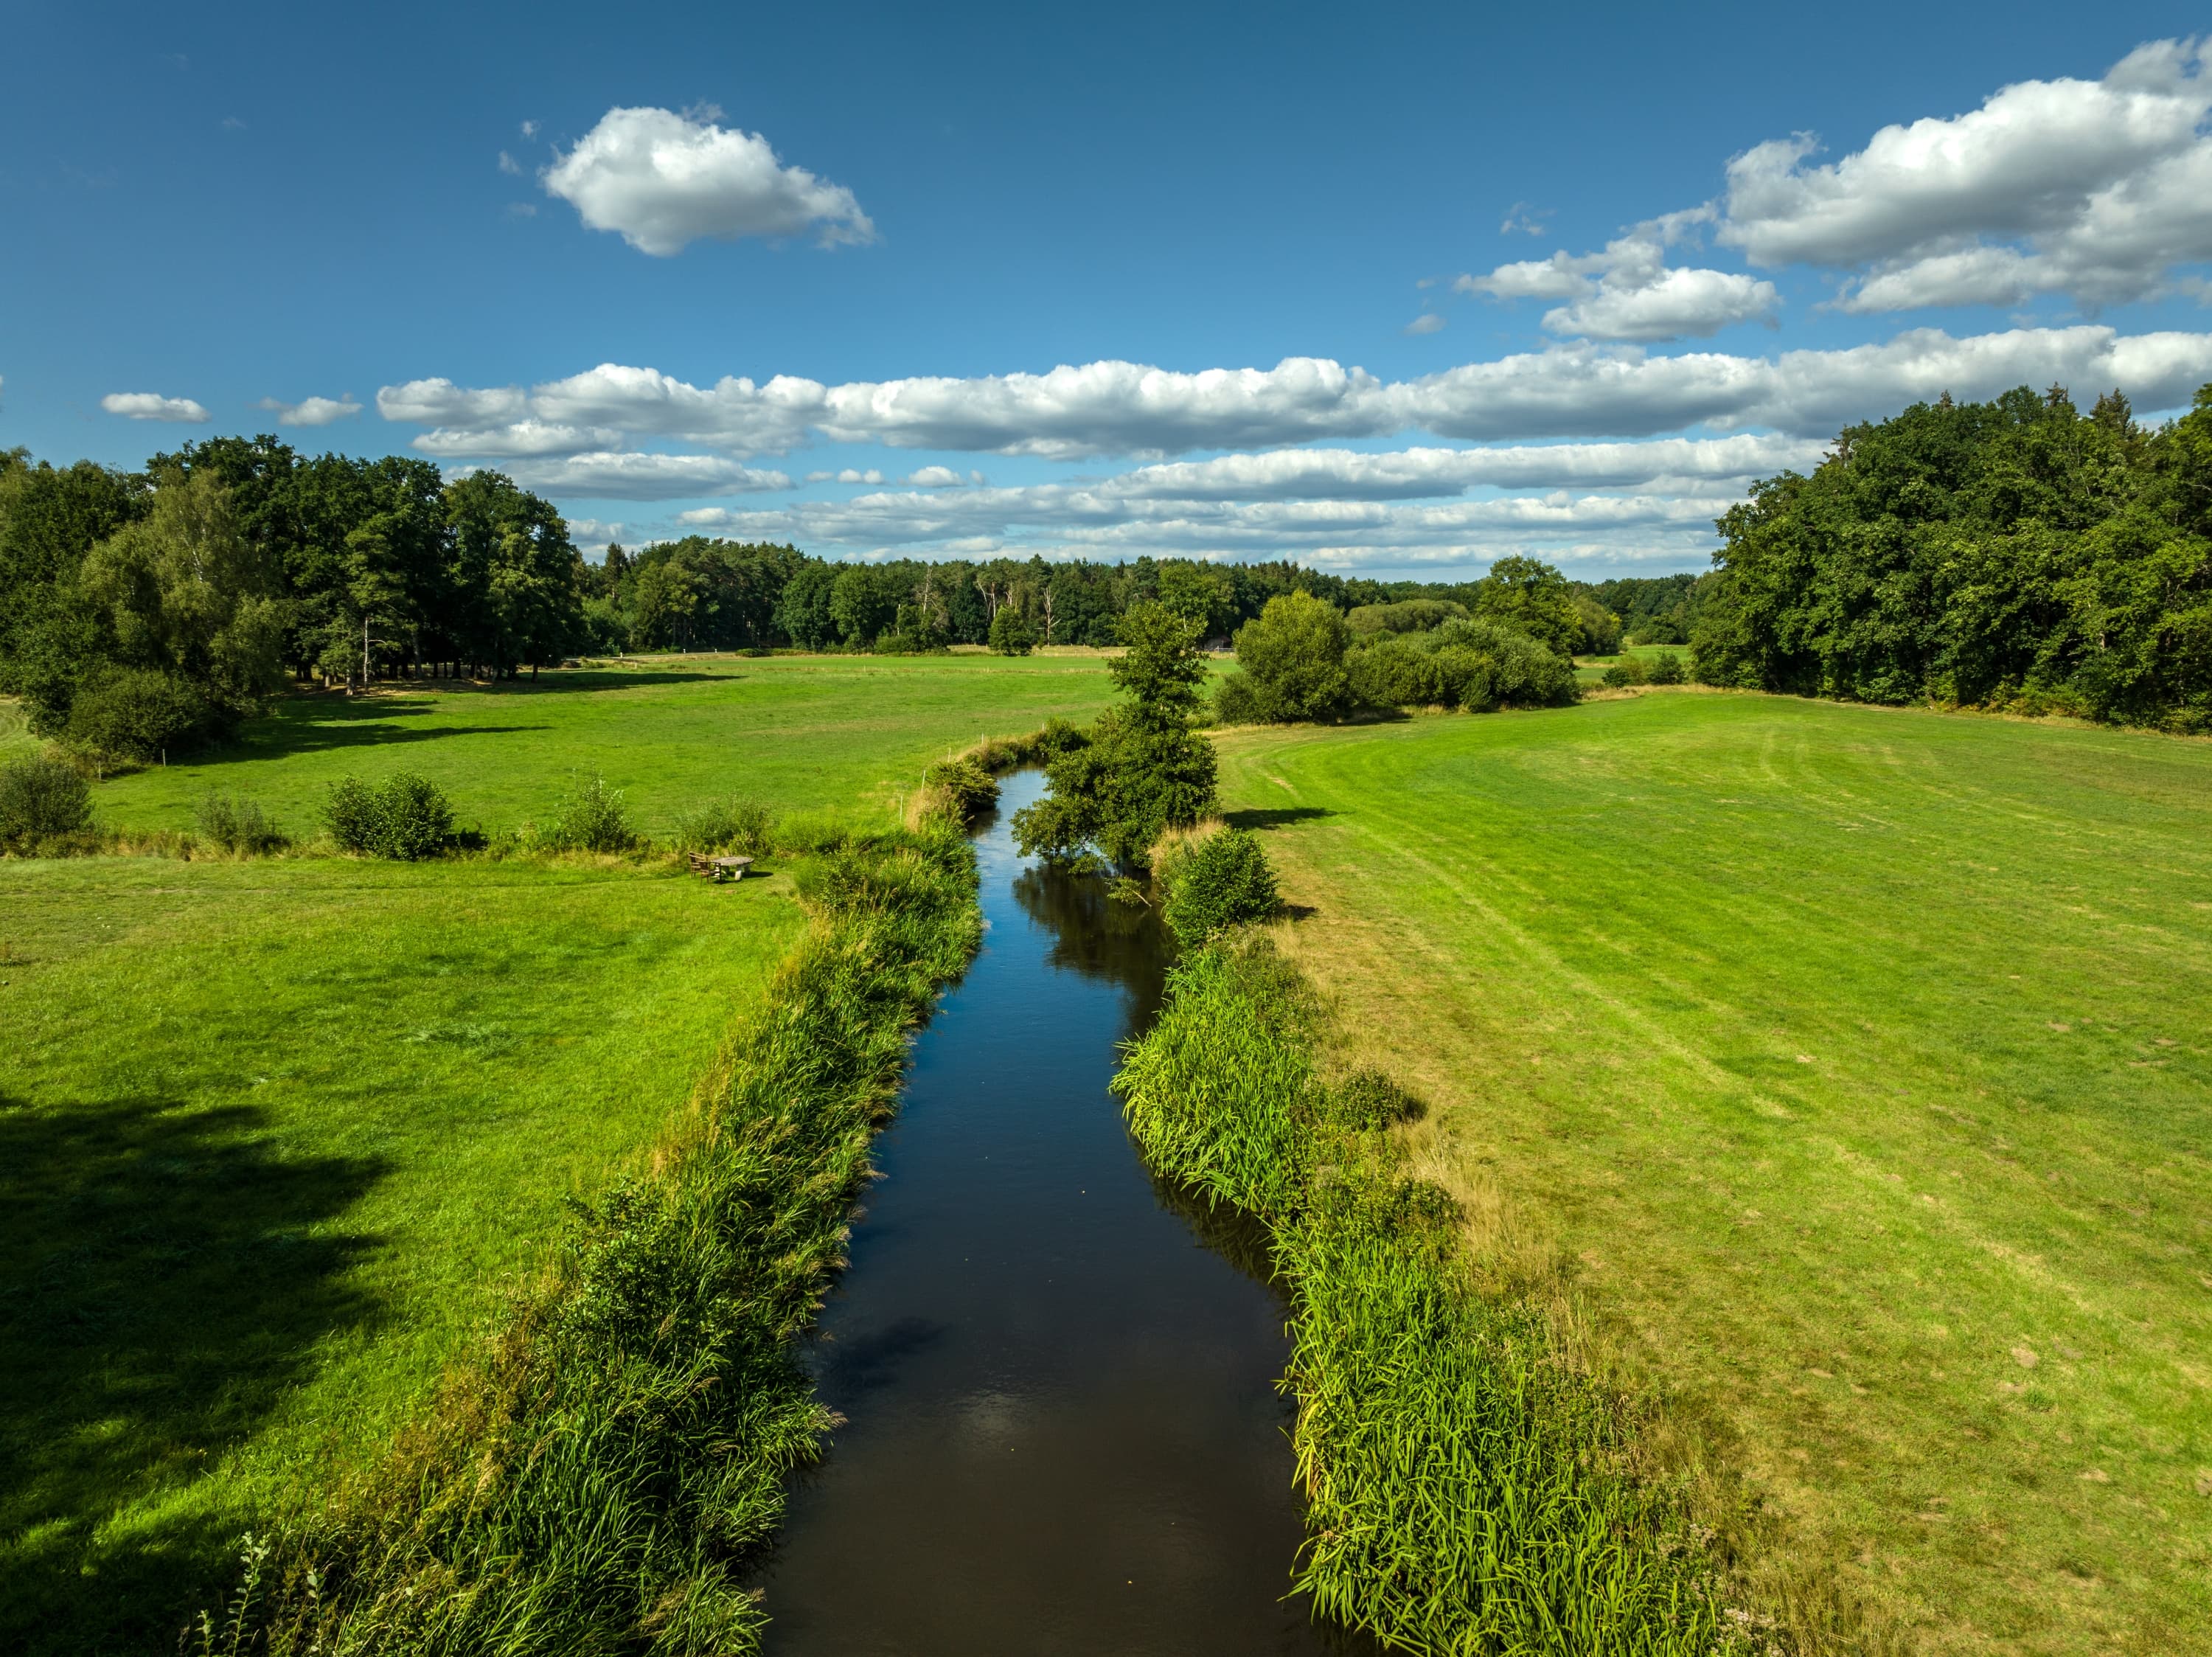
(934, 477)
(2095, 189)
(311, 410)
(1629, 291)
(151, 405)
(664, 180)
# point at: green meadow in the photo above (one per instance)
(848, 733)
(1839, 1080)
(280, 1139)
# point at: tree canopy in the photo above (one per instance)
(2017, 553)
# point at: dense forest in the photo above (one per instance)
(2016, 554)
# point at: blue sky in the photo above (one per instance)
(1000, 256)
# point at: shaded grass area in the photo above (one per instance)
(1467, 1492)
(852, 733)
(598, 1482)
(1842, 1075)
(278, 1140)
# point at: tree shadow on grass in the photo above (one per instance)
(1268, 817)
(165, 1274)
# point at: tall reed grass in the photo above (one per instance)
(1466, 1491)
(599, 1480)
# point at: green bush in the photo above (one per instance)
(405, 817)
(1629, 670)
(1477, 665)
(964, 786)
(41, 799)
(1410, 616)
(1667, 668)
(735, 825)
(240, 826)
(139, 714)
(1222, 881)
(1236, 703)
(590, 818)
(1397, 672)
(1010, 634)
(1293, 658)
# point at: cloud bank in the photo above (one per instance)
(1131, 409)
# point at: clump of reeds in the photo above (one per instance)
(1466, 1491)
(599, 1480)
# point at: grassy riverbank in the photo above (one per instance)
(288, 1136)
(597, 1481)
(280, 1138)
(1466, 1490)
(1839, 1074)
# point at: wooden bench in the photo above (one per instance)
(720, 869)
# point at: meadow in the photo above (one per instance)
(848, 732)
(284, 1138)
(1838, 1079)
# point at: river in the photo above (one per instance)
(1063, 1432)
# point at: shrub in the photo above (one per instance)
(41, 799)
(1236, 703)
(1410, 616)
(590, 818)
(139, 714)
(962, 786)
(1010, 634)
(1629, 670)
(1221, 881)
(1396, 673)
(1667, 668)
(405, 817)
(1294, 657)
(736, 824)
(240, 826)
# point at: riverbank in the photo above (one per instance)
(1467, 1489)
(597, 1482)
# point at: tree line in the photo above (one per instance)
(144, 611)
(2016, 554)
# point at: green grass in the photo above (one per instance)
(851, 733)
(279, 1137)
(1849, 1069)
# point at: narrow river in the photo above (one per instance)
(1063, 1434)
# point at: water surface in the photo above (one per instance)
(1063, 1433)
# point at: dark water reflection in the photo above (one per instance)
(1063, 1433)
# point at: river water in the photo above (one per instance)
(1063, 1433)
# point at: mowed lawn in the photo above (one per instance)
(848, 733)
(279, 1138)
(1853, 1069)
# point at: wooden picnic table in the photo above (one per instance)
(720, 869)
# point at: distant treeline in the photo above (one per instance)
(698, 594)
(2016, 554)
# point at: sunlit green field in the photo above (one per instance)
(1853, 1069)
(845, 732)
(277, 1138)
